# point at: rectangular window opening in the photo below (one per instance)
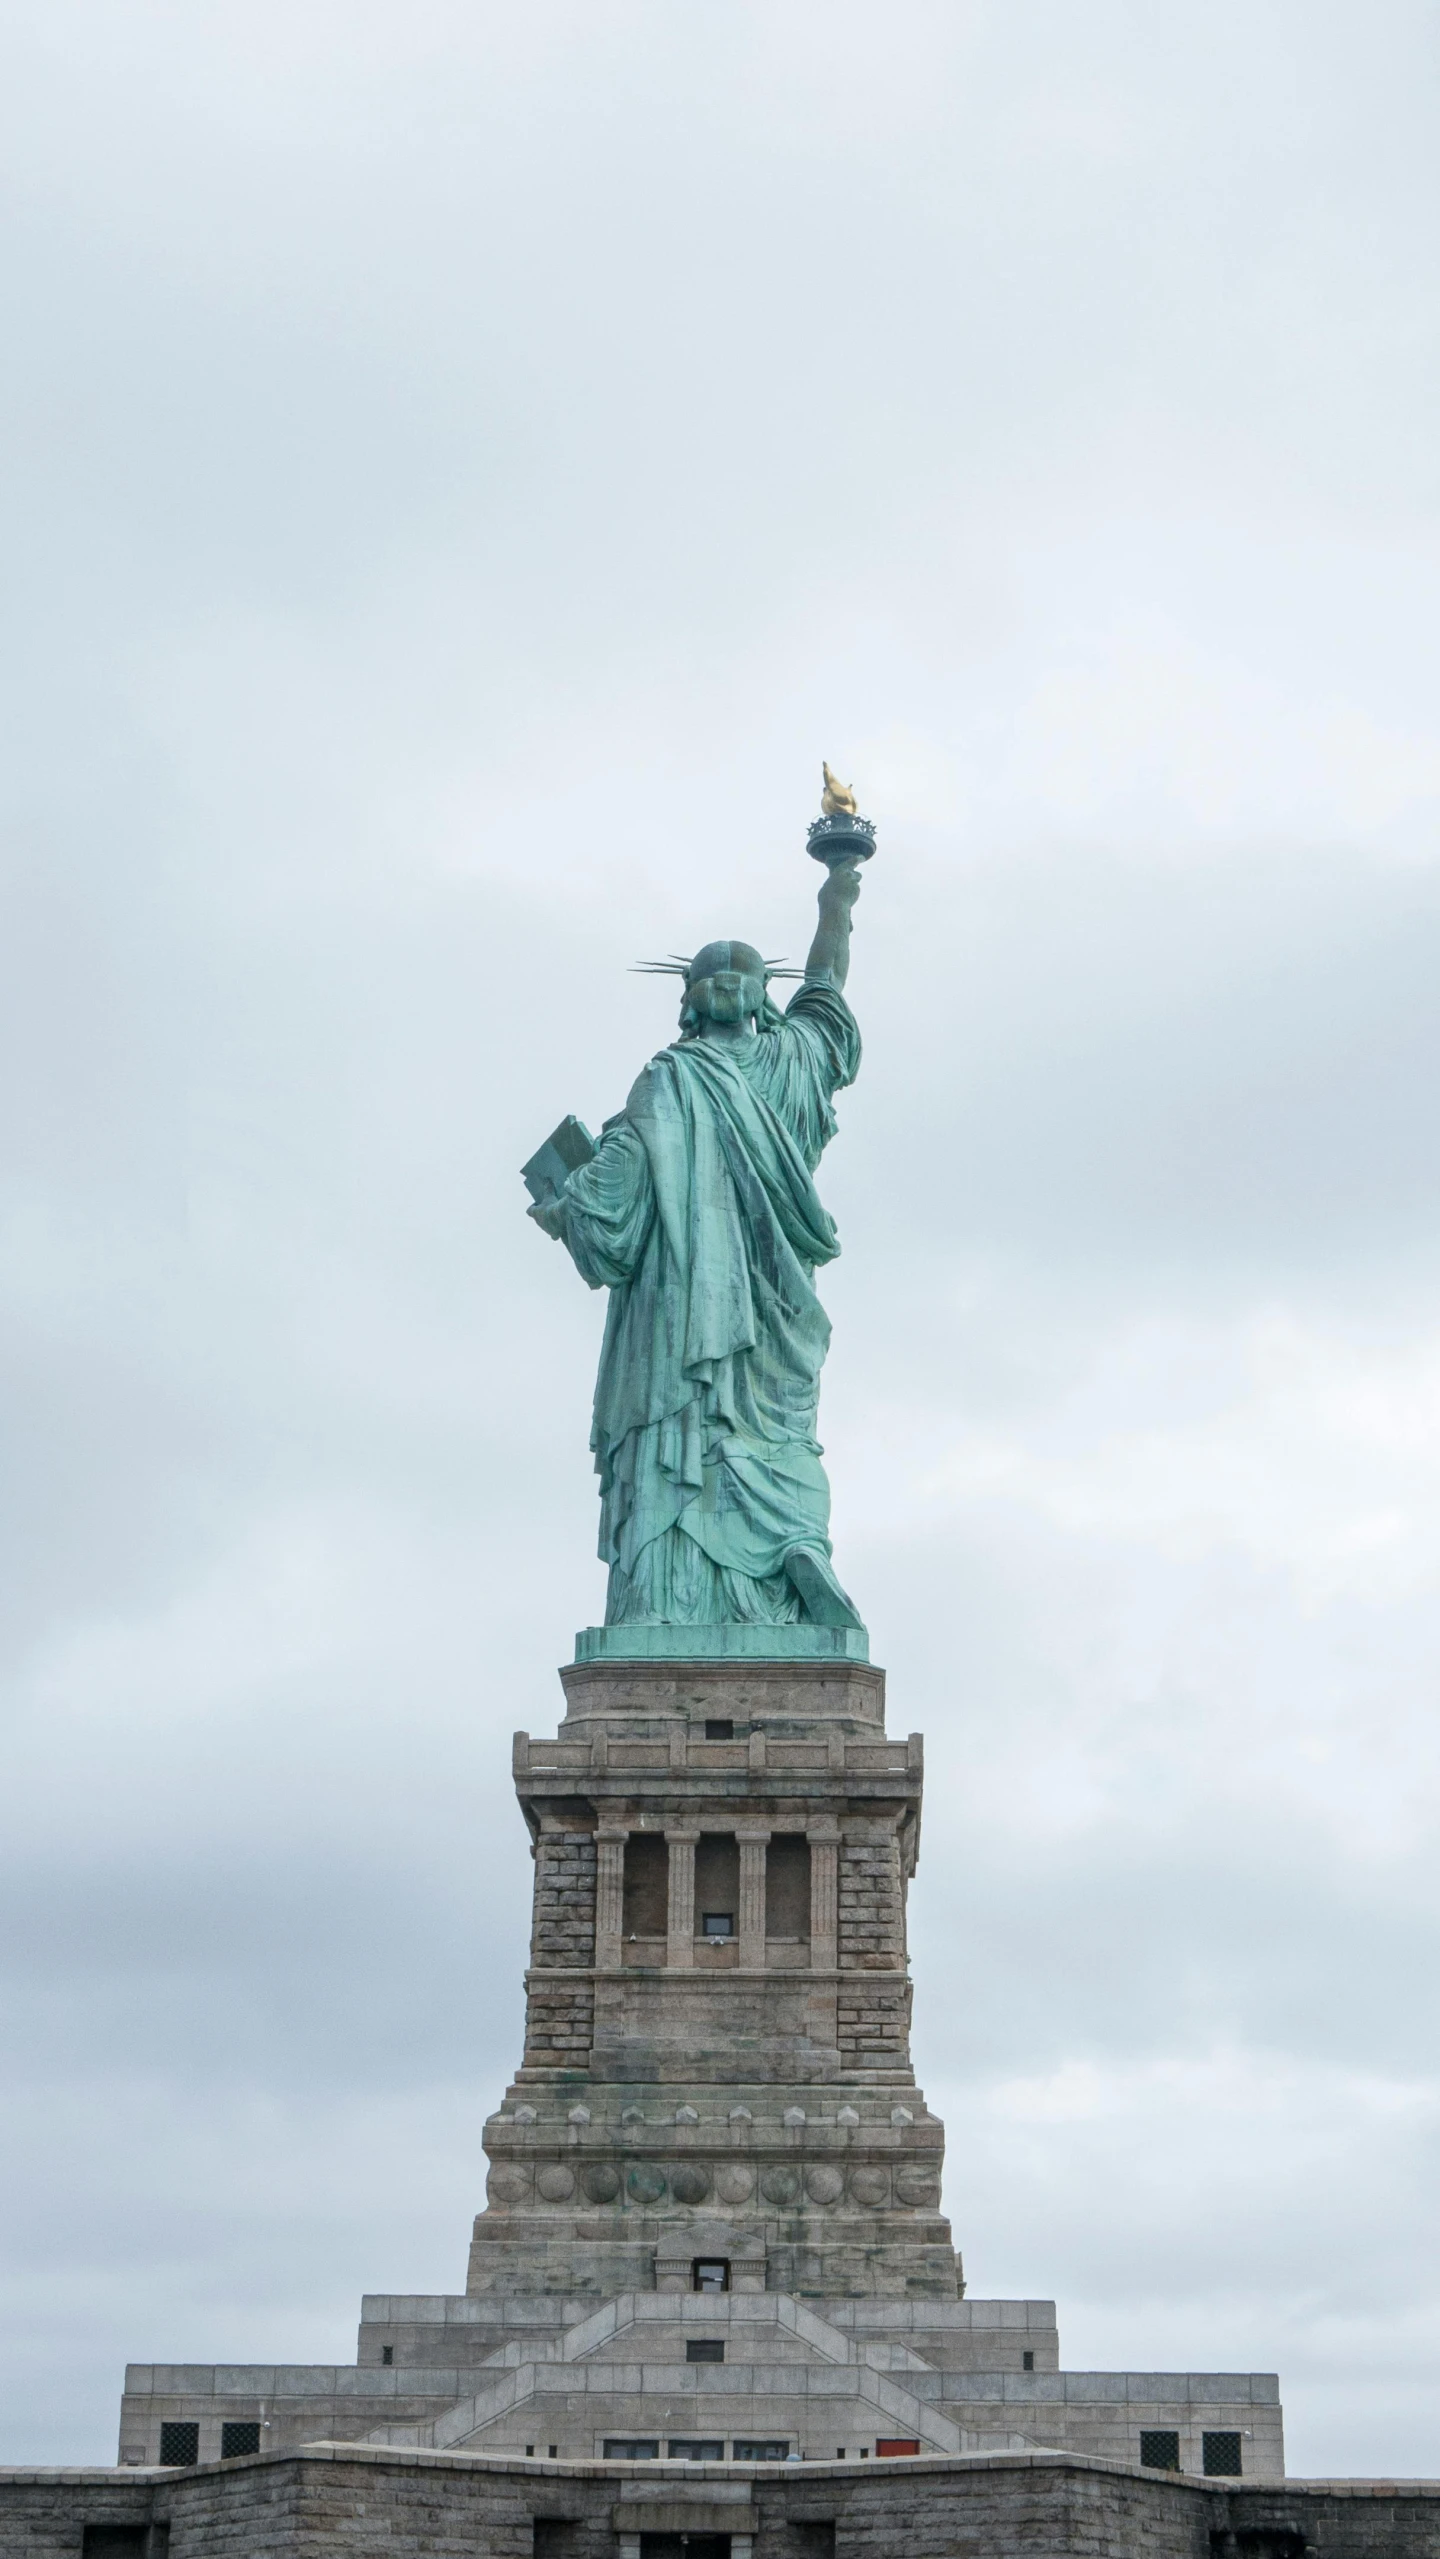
(719, 1728)
(1159, 2448)
(1220, 2456)
(632, 2448)
(179, 2443)
(704, 2350)
(554, 2535)
(710, 2274)
(387, 2354)
(645, 1900)
(239, 2436)
(761, 2448)
(1027, 2360)
(116, 2541)
(787, 1885)
(696, 2448)
(718, 1923)
(717, 1881)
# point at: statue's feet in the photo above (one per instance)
(823, 1600)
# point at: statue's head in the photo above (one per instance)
(723, 983)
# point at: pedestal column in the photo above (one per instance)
(609, 1897)
(824, 1838)
(752, 1845)
(680, 1915)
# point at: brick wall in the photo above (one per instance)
(563, 1931)
(872, 1915)
(559, 2021)
(873, 2024)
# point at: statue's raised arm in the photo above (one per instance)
(830, 950)
(698, 1211)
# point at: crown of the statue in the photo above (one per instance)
(713, 957)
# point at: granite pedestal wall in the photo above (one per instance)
(354, 2502)
(713, 2204)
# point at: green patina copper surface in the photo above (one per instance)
(698, 1212)
(802, 1643)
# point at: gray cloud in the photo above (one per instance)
(464, 468)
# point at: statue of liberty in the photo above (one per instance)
(698, 1211)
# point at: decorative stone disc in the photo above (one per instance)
(870, 2185)
(601, 2184)
(689, 2185)
(644, 2184)
(824, 2185)
(734, 2185)
(780, 2185)
(918, 2186)
(557, 2185)
(508, 2186)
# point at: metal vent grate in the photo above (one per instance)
(1220, 2456)
(238, 2436)
(1159, 2448)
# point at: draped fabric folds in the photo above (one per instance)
(699, 1214)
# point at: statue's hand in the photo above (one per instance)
(546, 1214)
(842, 887)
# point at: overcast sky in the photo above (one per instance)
(463, 467)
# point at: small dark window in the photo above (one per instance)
(763, 2449)
(238, 2436)
(696, 2448)
(711, 2274)
(718, 1728)
(705, 2350)
(1220, 2456)
(645, 1902)
(632, 2448)
(1159, 2448)
(554, 2536)
(116, 2541)
(717, 1878)
(387, 2354)
(554, 2453)
(529, 2452)
(179, 2443)
(787, 1885)
(718, 1923)
(817, 2540)
(1027, 2360)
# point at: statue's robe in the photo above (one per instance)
(699, 1214)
